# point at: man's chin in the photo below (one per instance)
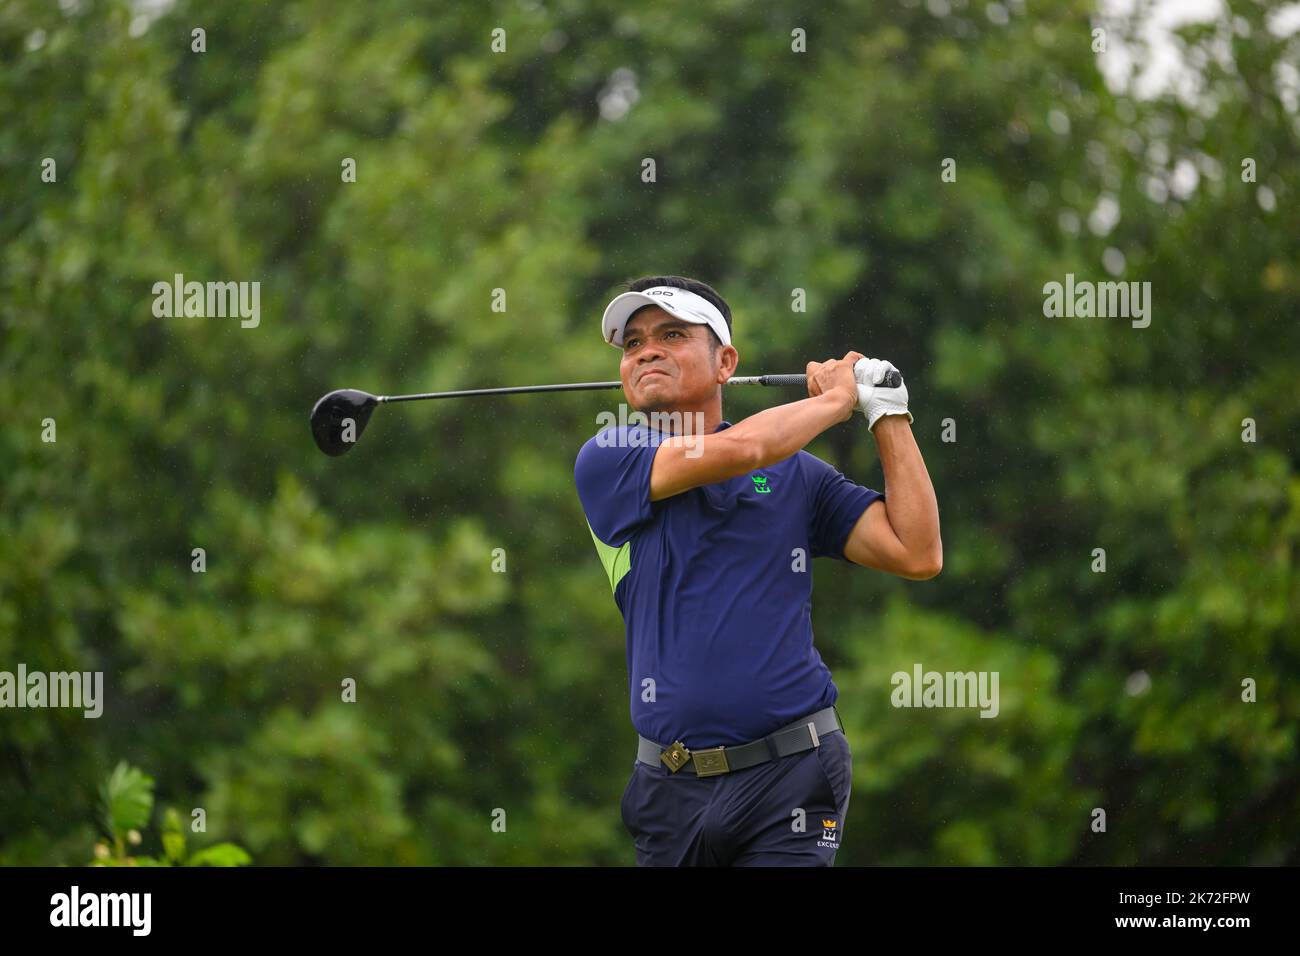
(655, 402)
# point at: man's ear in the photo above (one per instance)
(728, 359)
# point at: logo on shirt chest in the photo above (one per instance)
(761, 486)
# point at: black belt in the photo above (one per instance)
(793, 738)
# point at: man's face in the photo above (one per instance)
(667, 363)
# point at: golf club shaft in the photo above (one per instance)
(770, 380)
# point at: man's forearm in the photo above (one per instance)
(910, 501)
(777, 433)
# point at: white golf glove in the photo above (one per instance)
(875, 400)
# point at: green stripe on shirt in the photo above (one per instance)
(617, 561)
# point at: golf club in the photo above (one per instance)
(339, 417)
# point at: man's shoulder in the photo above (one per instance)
(611, 451)
(622, 435)
(809, 463)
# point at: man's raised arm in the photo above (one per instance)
(900, 534)
(762, 439)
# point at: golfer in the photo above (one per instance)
(706, 531)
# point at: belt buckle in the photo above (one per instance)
(709, 762)
(675, 756)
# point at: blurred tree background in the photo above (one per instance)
(521, 170)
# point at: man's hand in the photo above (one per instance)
(874, 400)
(836, 375)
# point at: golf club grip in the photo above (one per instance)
(892, 380)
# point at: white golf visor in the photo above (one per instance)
(687, 306)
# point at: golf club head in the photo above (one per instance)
(330, 415)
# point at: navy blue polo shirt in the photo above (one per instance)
(715, 586)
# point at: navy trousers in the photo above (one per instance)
(785, 812)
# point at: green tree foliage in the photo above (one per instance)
(478, 690)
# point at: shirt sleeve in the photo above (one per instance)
(835, 504)
(612, 474)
